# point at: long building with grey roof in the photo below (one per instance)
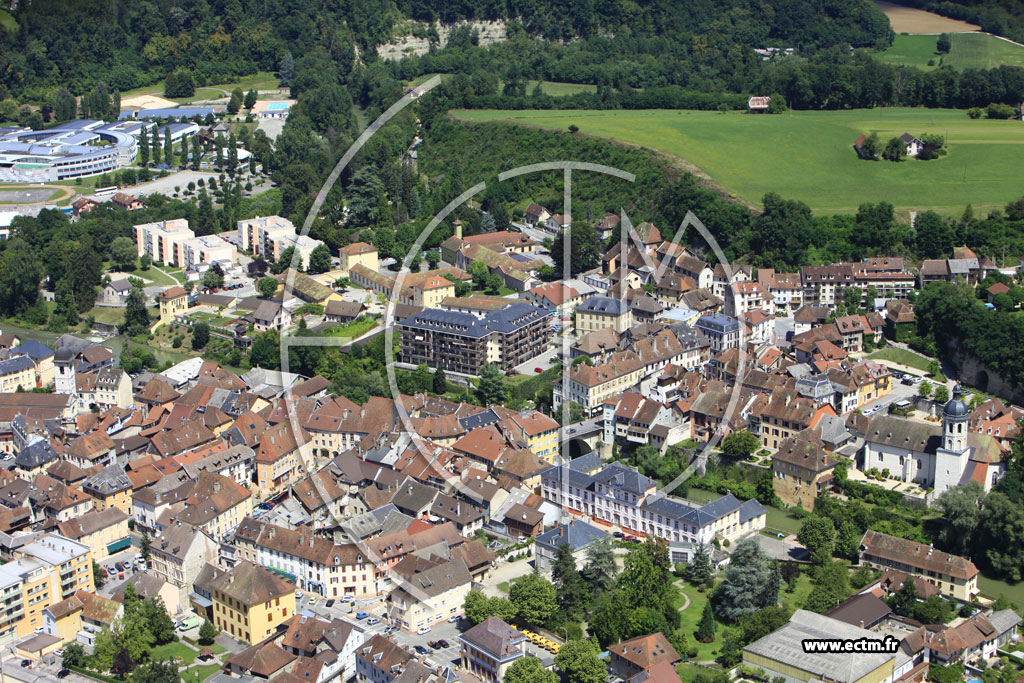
(781, 653)
(619, 495)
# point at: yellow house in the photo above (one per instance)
(280, 458)
(111, 488)
(358, 253)
(599, 312)
(873, 381)
(249, 602)
(589, 386)
(432, 291)
(64, 619)
(173, 301)
(16, 373)
(537, 430)
(104, 531)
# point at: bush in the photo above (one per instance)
(974, 112)
(999, 111)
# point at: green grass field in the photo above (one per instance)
(263, 80)
(982, 51)
(809, 156)
(967, 51)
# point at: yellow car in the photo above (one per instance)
(555, 647)
(537, 639)
(527, 633)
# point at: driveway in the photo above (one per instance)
(782, 548)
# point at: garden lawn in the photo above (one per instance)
(690, 617)
(992, 588)
(903, 357)
(354, 329)
(810, 153)
(782, 520)
(108, 315)
(171, 650)
(204, 670)
(798, 597)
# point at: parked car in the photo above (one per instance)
(121, 575)
(373, 620)
(909, 381)
(347, 598)
(329, 603)
(362, 615)
(388, 630)
(443, 644)
(26, 662)
(423, 630)
(454, 619)
(421, 650)
(63, 673)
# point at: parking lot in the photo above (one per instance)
(118, 575)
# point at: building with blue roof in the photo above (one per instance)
(463, 343)
(722, 331)
(577, 534)
(72, 149)
(177, 113)
(599, 312)
(33, 349)
(18, 372)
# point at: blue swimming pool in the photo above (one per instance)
(277, 106)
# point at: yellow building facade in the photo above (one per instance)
(249, 602)
(41, 574)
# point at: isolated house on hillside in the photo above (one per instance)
(758, 104)
(913, 145)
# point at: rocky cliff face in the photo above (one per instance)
(403, 46)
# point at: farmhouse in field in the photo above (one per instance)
(758, 104)
(914, 145)
(858, 146)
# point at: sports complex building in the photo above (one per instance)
(74, 149)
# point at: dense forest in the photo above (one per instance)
(79, 43)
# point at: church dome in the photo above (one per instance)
(956, 407)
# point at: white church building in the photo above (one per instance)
(936, 456)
